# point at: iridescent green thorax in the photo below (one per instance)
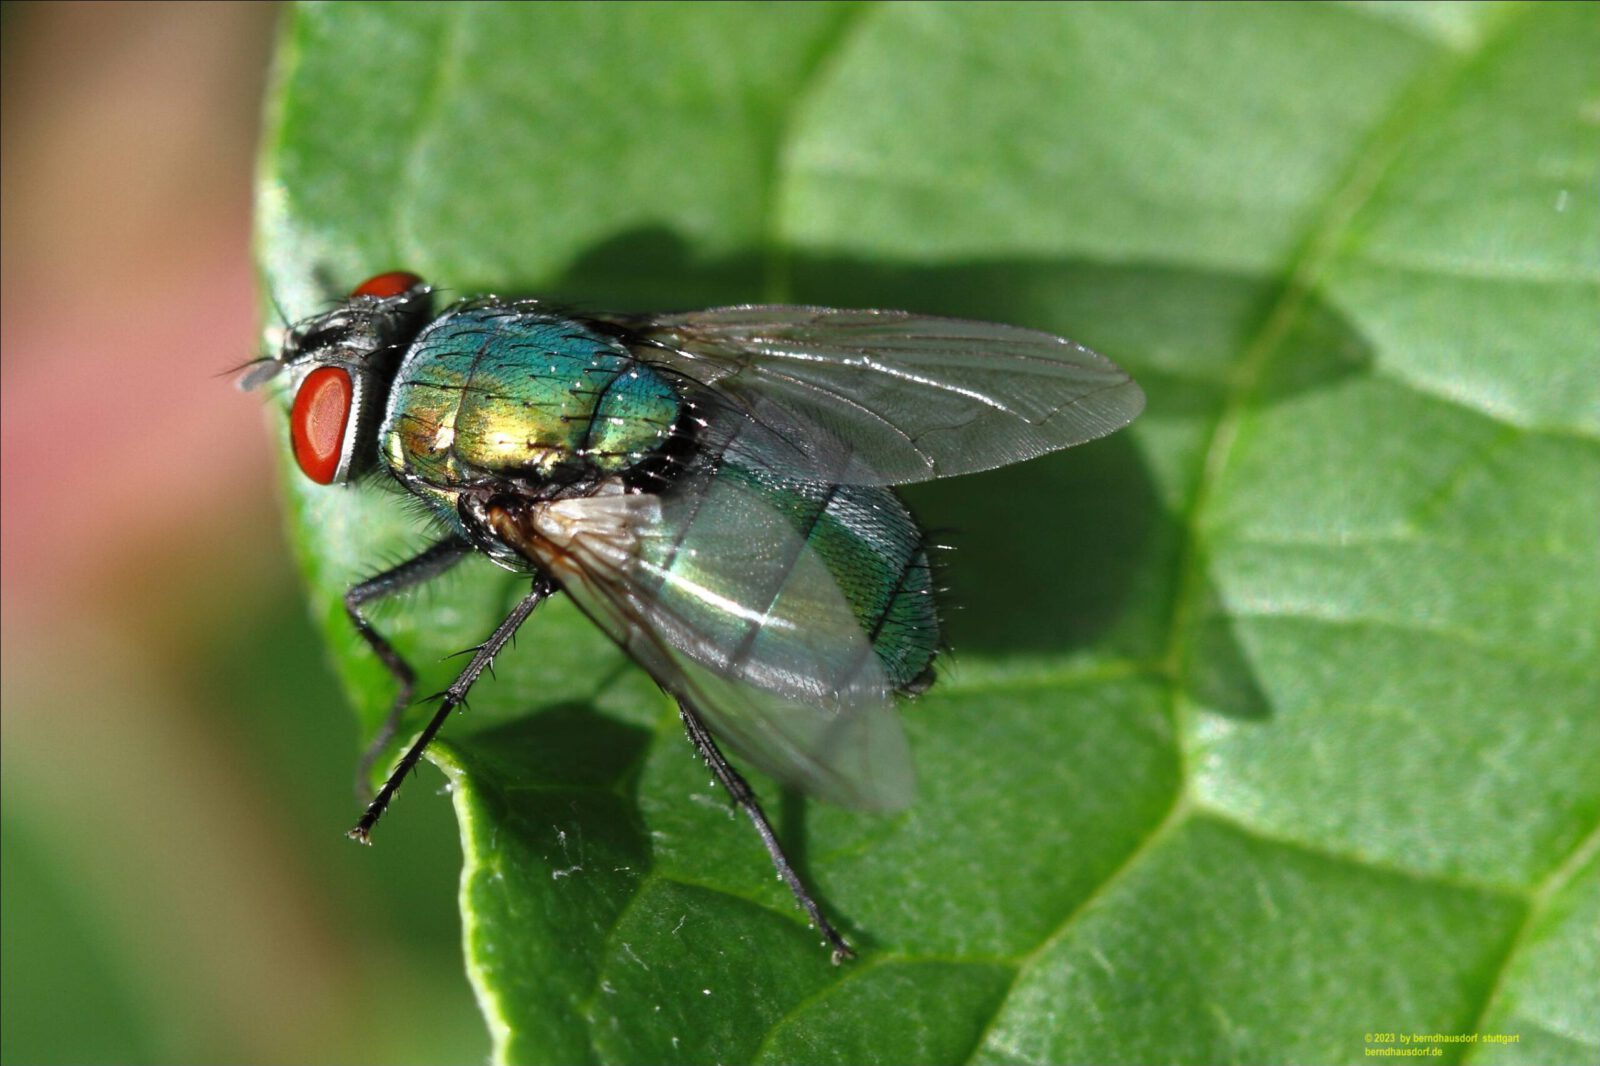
(495, 393)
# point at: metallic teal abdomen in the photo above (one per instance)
(493, 393)
(859, 540)
(874, 551)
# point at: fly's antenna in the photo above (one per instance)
(264, 367)
(257, 372)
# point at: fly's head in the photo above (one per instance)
(340, 365)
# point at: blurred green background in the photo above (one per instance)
(177, 757)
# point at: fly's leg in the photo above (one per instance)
(453, 697)
(414, 571)
(745, 798)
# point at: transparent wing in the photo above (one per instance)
(889, 397)
(716, 594)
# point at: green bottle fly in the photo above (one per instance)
(713, 489)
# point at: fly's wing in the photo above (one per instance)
(890, 397)
(717, 595)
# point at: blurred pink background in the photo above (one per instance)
(176, 888)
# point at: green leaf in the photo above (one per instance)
(1271, 724)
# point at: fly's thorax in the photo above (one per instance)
(494, 394)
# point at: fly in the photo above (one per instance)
(714, 490)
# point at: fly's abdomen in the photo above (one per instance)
(813, 558)
(494, 393)
(874, 550)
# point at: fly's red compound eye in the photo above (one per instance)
(317, 423)
(384, 286)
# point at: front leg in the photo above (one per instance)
(453, 697)
(414, 571)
